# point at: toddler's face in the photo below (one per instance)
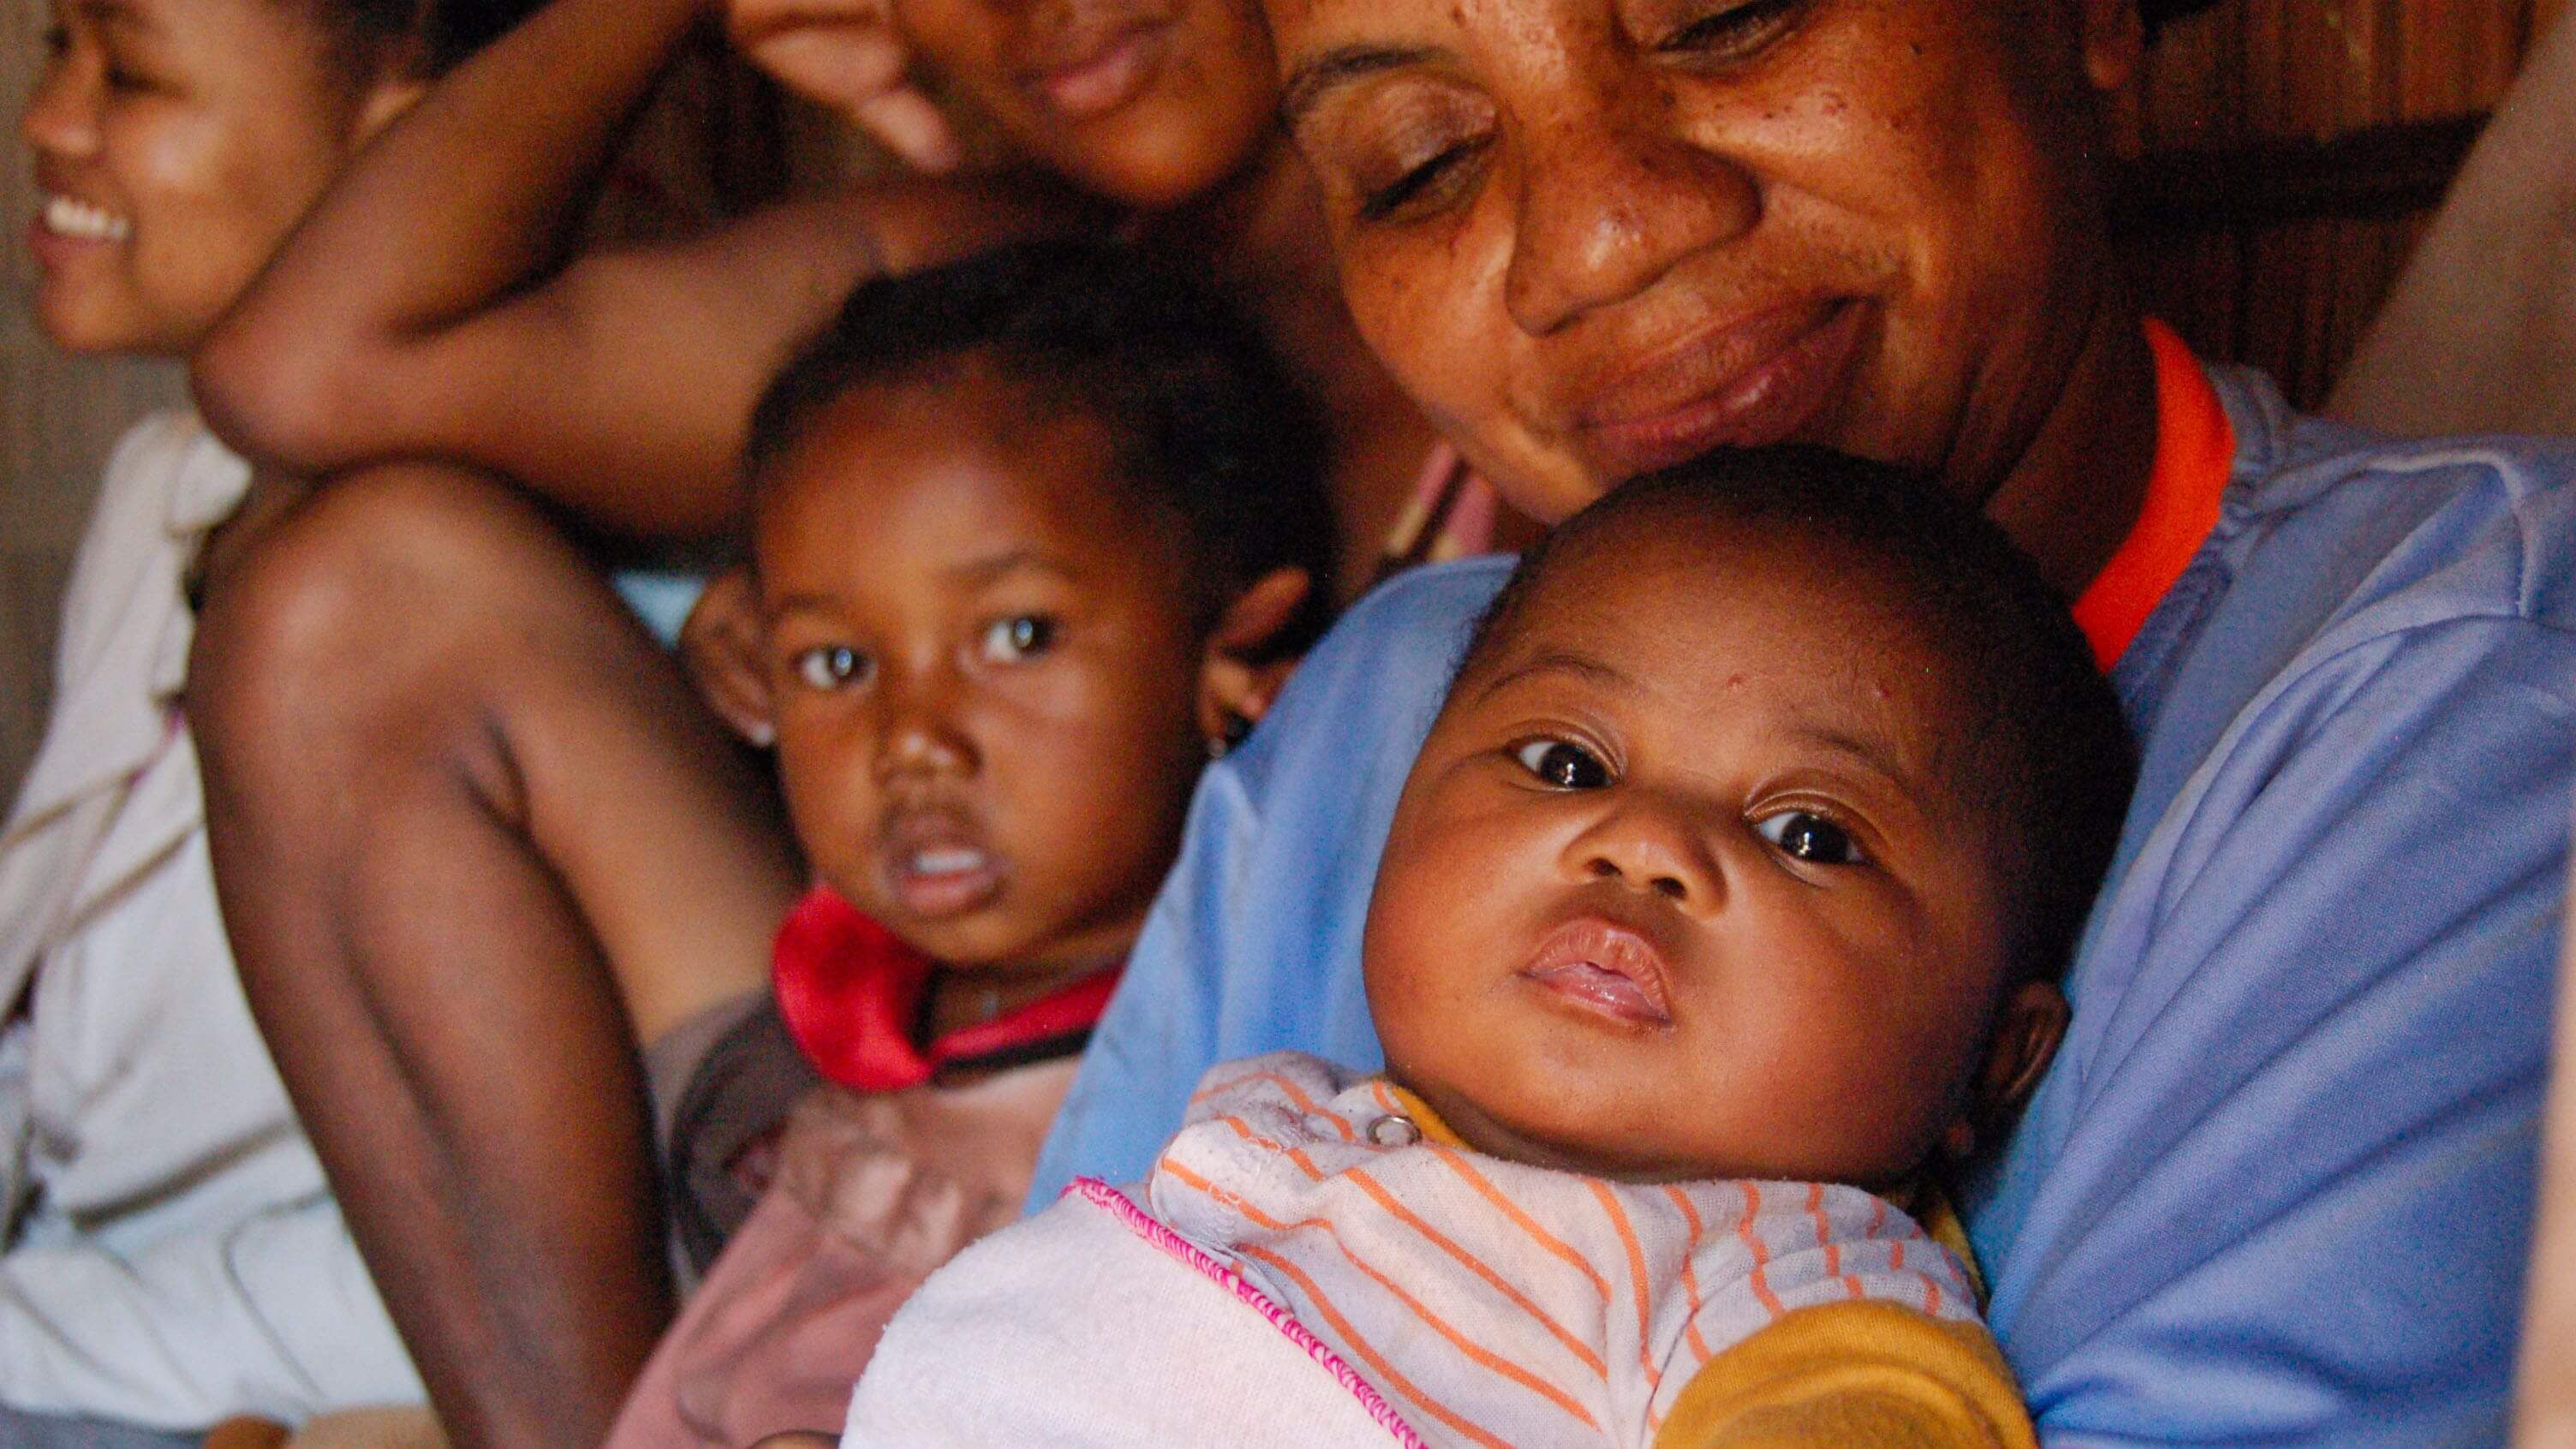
(1677, 888)
(982, 668)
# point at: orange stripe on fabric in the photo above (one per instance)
(1476, 1352)
(1700, 1350)
(1636, 1274)
(1555, 1245)
(1487, 1358)
(1386, 1371)
(1824, 1230)
(1296, 1155)
(2195, 456)
(1295, 1093)
(1473, 1264)
(1228, 1197)
(1761, 1250)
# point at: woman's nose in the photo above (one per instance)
(61, 118)
(1651, 844)
(1611, 196)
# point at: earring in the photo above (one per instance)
(1235, 730)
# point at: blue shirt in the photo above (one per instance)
(2278, 1185)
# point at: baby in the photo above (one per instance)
(1033, 535)
(1722, 908)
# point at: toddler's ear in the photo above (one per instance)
(720, 647)
(1238, 674)
(2028, 1027)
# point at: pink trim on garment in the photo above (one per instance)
(1145, 1225)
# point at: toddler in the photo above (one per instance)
(1722, 908)
(1033, 535)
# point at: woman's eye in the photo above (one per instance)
(831, 666)
(1562, 764)
(1007, 641)
(1810, 838)
(1732, 30)
(57, 39)
(1421, 186)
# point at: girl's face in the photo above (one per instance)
(983, 669)
(1149, 102)
(176, 142)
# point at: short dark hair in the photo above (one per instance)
(2047, 752)
(1210, 426)
(428, 36)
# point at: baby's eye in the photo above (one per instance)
(1810, 838)
(830, 666)
(1563, 764)
(1010, 640)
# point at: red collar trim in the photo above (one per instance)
(851, 992)
(2195, 458)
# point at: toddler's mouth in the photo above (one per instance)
(935, 868)
(1601, 966)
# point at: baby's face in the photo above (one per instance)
(982, 667)
(1677, 888)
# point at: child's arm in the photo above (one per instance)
(1857, 1375)
(418, 311)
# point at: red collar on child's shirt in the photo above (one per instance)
(2195, 458)
(852, 994)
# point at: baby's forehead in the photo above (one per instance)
(1780, 618)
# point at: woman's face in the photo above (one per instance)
(1149, 102)
(1595, 237)
(176, 142)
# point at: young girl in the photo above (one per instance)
(172, 1254)
(553, 864)
(1724, 905)
(1033, 534)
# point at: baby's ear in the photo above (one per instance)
(1239, 674)
(2028, 1027)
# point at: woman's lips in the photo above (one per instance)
(1599, 966)
(1099, 78)
(66, 226)
(1745, 385)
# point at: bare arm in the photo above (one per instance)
(418, 311)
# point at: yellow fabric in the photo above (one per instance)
(1863, 1375)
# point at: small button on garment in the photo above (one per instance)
(1394, 1130)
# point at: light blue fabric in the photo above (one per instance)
(662, 598)
(2277, 1188)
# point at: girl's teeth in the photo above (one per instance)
(81, 221)
(947, 862)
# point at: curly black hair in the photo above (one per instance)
(1211, 427)
(417, 37)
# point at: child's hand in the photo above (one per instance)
(720, 647)
(846, 54)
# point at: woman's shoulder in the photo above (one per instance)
(1377, 676)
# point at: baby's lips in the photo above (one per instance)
(1606, 966)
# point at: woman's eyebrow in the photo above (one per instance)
(1312, 80)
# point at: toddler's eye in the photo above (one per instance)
(1565, 765)
(830, 666)
(1810, 838)
(1017, 637)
